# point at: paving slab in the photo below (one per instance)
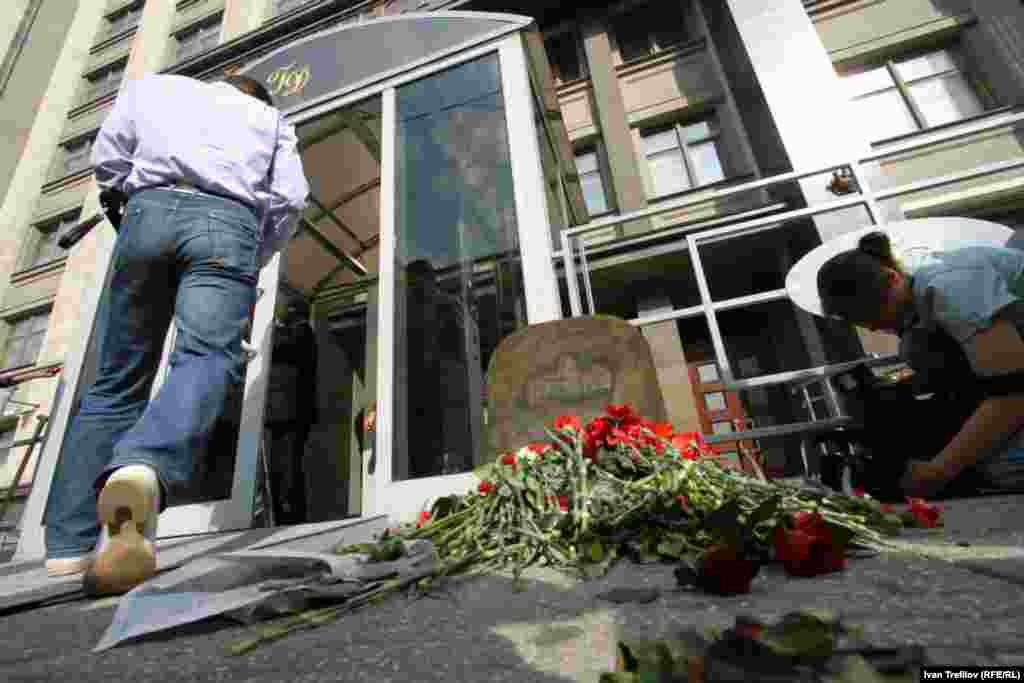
(926, 592)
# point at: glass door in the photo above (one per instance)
(453, 281)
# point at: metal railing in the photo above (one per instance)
(573, 250)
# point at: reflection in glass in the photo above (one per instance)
(628, 286)
(799, 340)
(459, 281)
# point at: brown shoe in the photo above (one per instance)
(128, 509)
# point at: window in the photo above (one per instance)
(282, 6)
(124, 20)
(77, 155)
(588, 166)
(715, 402)
(649, 28)
(104, 81)
(708, 374)
(563, 52)
(681, 157)
(6, 441)
(912, 94)
(724, 427)
(196, 40)
(46, 248)
(25, 339)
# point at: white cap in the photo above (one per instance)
(911, 241)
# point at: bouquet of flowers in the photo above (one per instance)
(622, 486)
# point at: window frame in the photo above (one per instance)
(902, 86)
(646, 10)
(679, 126)
(98, 81)
(56, 226)
(10, 337)
(196, 31)
(594, 146)
(88, 140)
(112, 19)
(568, 33)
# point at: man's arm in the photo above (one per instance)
(114, 149)
(288, 192)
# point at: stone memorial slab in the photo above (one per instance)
(568, 367)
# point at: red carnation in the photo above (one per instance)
(424, 518)
(928, 516)
(540, 448)
(563, 503)
(662, 430)
(569, 421)
(509, 459)
(623, 413)
(486, 488)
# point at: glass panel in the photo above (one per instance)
(926, 65)
(715, 401)
(722, 427)
(945, 99)
(586, 162)
(758, 262)
(322, 386)
(593, 193)
(564, 57)
(869, 81)
(706, 163)
(668, 172)
(460, 289)
(630, 287)
(708, 373)
(799, 340)
(885, 115)
(660, 141)
(698, 131)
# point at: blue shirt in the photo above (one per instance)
(172, 129)
(972, 287)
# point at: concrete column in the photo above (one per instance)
(626, 182)
(242, 16)
(670, 364)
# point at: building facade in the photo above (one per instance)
(736, 135)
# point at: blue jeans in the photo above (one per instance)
(190, 256)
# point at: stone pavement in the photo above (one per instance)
(958, 591)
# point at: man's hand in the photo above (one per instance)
(924, 479)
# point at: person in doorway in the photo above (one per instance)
(209, 198)
(975, 296)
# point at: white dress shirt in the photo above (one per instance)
(172, 129)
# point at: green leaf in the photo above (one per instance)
(804, 634)
(596, 552)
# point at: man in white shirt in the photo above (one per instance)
(213, 186)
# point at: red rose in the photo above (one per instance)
(569, 422)
(486, 488)
(563, 503)
(619, 436)
(808, 549)
(928, 516)
(540, 448)
(598, 429)
(424, 518)
(722, 571)
(509, 459)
